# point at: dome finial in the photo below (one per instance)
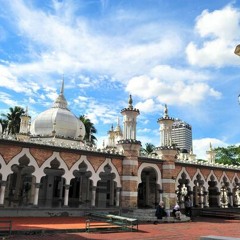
(130, 101)
(62, 89)
(165, 111)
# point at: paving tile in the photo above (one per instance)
(178, 231)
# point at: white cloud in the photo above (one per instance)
(219, 32)
(148, 106)
(72, 44)
(9, 81)
(6, 98)
(172, 86)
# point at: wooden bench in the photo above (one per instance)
(111, 221)
(5, 227)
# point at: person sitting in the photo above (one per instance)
(160, 210)
(176, 211)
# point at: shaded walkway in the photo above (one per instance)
(179, 231)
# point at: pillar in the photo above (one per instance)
(118, 197)
(147, 189)
(230, 199)
(206, 199)
(2, 193)
(93, 202)
(129, 194)
(36, 194)
(168, 176)
(66, 195)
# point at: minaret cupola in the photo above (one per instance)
(129, 120)
(166, 123)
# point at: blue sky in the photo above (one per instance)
(174, 52)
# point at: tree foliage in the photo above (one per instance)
(90, 129)
(12, 119)
(149, 149)
(228, 155)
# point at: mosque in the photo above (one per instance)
(48, 165)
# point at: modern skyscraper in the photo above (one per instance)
(182, 135)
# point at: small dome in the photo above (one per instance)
(60, 119)
(184, 150)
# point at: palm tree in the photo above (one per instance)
(90, 130)
(4, 123)
(149, 149)
(13, 119)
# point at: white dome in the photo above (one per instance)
(60, 119)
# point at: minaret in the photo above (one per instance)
(168, 153)
(166, 123)
(130, 147)
(25, 121)
(129, 121)
(24, 132)
(211, 154)
(111, 138)
(118, 132)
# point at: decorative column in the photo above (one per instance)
(168, 152)
(168, 177)
(66, 195)
(191, 197)
(201, 196)
(118, 197)
(36, 194)
(147, 189)
(160, 195)
(218, 199)
(111, 200)
(2, 193)
(230, 199)
(93, 202)
(206, 199)
(131, 148)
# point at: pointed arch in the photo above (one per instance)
(56, 155)
(198, 172)
(224, 175)
(15, 160)
(215, 177)
(187, 176)
(101, 169)
(83, 159)
(155, 167)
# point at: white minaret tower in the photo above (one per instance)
(211, 154)
(166, 123)
(25, 122)
(129, 121)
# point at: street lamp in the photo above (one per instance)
(237, 52)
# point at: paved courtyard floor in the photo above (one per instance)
(180, 231)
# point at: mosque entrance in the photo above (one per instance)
(148, 189)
